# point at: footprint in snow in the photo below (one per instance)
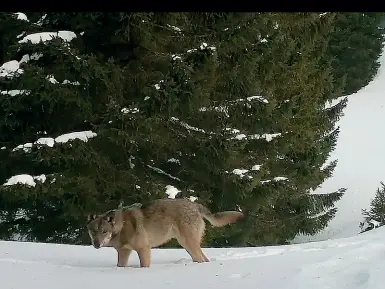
(239, 276)
(183, 261)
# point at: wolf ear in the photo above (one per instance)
(91, 217)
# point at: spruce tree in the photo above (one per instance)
(294, 83)
(376, 213)
(58, 91)
(355, 46)
(227, 107)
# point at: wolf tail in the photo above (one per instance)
(222, 218)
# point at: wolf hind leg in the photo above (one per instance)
(190, 239)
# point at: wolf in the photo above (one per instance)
(141, 228)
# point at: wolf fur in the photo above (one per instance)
(141, 228)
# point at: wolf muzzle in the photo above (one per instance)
(96, 244)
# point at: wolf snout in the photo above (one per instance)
(96, 245)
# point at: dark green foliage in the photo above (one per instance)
(354, 47)
(170, 98)
(376, 213)
(72, 100)
(288, 75)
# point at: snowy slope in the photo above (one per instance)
(361, 157)
(352, 263)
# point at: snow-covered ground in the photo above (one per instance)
(353, 263)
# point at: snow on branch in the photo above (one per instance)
(224, 108)
(189, 127)
(21, 16)
(162, 172)
(25, 179)
(36, 38)
(50, 142)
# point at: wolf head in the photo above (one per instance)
(100, 228)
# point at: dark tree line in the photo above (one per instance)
(226, 107)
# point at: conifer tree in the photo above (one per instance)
(56, 91)
(295, 84)
(376, 213)
(355, 46)
(227, 107)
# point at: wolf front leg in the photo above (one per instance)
(123, 255)
(144, 256)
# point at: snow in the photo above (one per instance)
(21, 16)
(15, 92)
(82, 135)
(40, 21)
(41, 178)
(187, 126)
(46, 36)
(221, 108)
(232, 130)
(176, 57)
(52, 79)
(26, 147)
(224, 108)
(240, 136)
(24, 179)
(34, 56)
(20, 35)
(173, 160)
(10, 68)
(280, 179)
(66, 81)
(260, 98)
(267, 136)
(20, 179)
(130, 161)
(276, 179)
(48, 141)
(160, 171)
(352, 263)
(171, 191)
(256, 167)
(193, 199)
(361, 144)
(240, 172)
(177, 29)
(126, 110)
(204, 46)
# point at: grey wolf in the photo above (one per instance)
(140, 228)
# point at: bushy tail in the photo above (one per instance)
(222, 218)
